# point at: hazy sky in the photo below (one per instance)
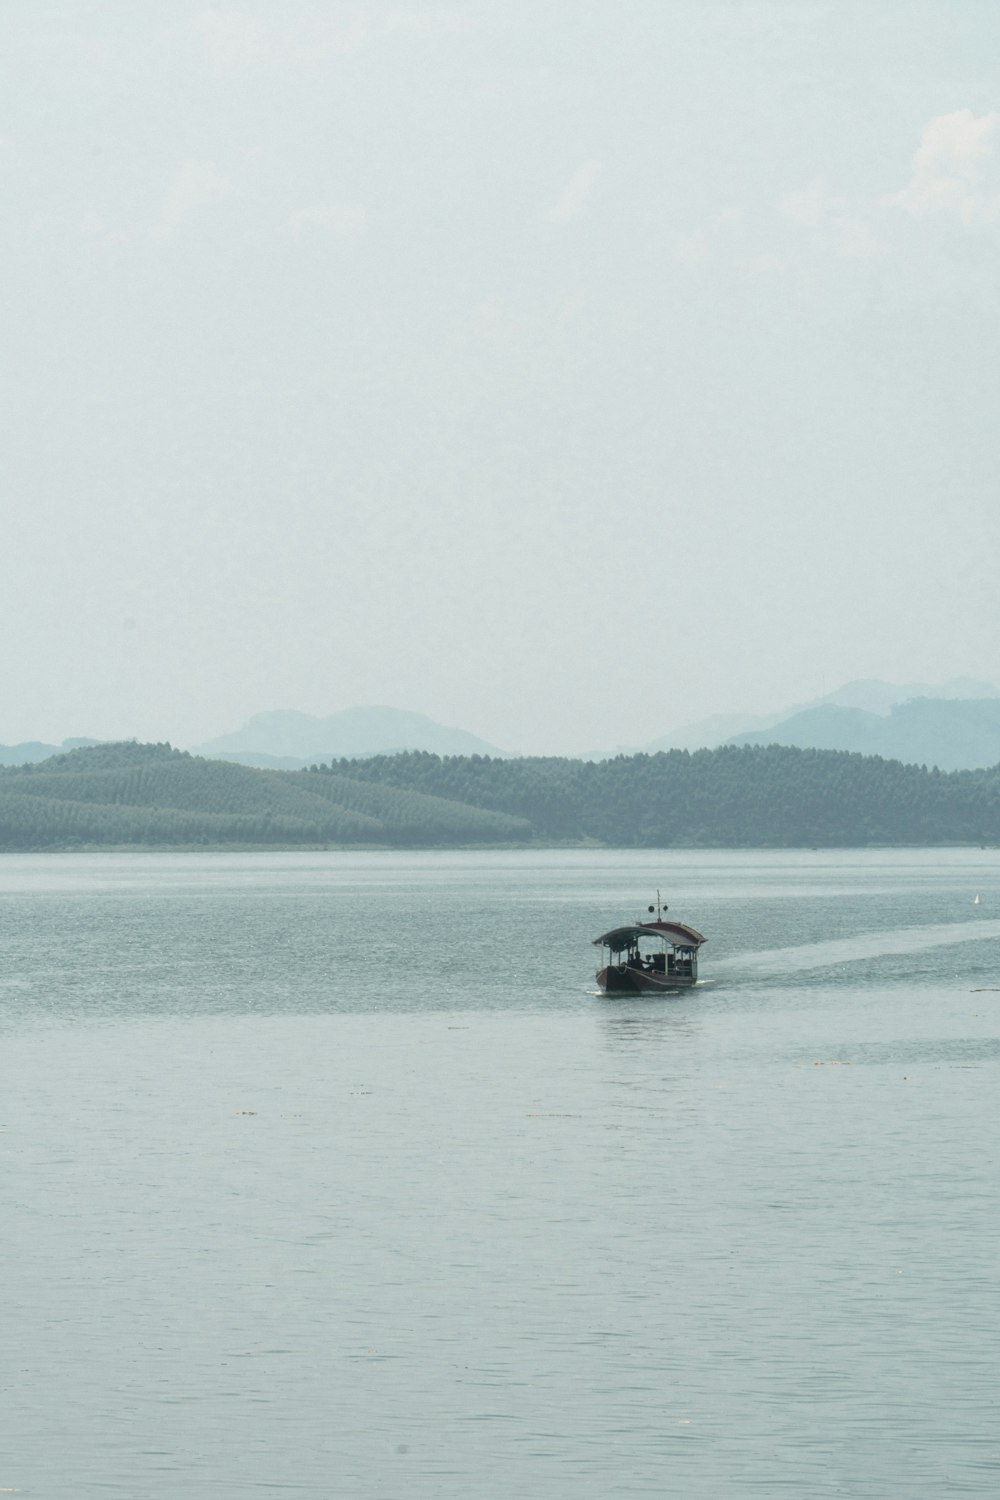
(563, 369)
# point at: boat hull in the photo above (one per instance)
(621, 979)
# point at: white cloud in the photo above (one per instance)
(809, 207)
(571, 307)
(487, 320)
(233, 42)
(696, 246)
(948, 170)
(95, 231)
(764, 264)
(856, 240)
(692, 249)
(340, 220)
(236, 42)
(576, 194)
(846, 232)
(427, 22)
(195, 184)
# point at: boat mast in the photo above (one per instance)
(661, 906)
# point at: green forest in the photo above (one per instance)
(153, 796)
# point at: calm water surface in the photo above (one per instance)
(330, 1175)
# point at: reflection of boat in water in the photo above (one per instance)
(649, 956)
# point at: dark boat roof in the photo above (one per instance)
(677, 933)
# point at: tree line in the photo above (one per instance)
(749, 796)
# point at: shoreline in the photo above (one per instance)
(533, 847)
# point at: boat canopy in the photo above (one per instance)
(677, 933)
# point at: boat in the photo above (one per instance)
(648, 957)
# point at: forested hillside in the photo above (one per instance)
(754, 796)
(154, 795)
(151, 795)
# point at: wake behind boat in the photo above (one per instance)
(650, 956)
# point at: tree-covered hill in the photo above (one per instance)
(154, 795)
(754, 796)
(757, 796)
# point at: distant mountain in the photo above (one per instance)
(30, 751)
(952, 734)
(881, 697)
(707, 734)
(257, 760)
(285, 739)
(869, 694)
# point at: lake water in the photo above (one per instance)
(330, 1175)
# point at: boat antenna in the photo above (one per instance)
(660, 906)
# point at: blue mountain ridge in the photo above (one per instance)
(283, 738)
(952, 734)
